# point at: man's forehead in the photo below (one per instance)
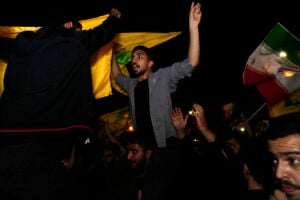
(134, 146)
(289, 143)
(138, 52)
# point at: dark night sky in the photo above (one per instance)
(230, 31)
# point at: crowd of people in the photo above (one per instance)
(48, 128)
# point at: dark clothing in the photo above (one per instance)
(116, 182)
(48, 78)
(212, 166)
(256, 195)
(47, 104)
(33, 170)
(142, 110)
(164, 174)
(162, 83)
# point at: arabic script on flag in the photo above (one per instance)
(274, 66)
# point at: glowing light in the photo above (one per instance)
(241, 127)
(288, 73)
(130, 129)
(282, 54)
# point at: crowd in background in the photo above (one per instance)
(63, 150)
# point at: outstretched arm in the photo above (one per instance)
(202, 124)
(194, 21)
(115, 68)
(103, 33)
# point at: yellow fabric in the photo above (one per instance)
(12, 31)
(100, 70)
(2, 71)
(117, 121)
(290, 104)
(93, 22)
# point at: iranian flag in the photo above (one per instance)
(273, 67)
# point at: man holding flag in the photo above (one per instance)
(47, 105)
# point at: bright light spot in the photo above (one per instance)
(288, 73)
(242, 129)
(282, 54)
(130, 128)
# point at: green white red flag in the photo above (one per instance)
(274, 66)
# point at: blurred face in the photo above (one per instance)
(226, 111)
(108, 157)
(69, 25)
(234, 144)
(137, 156)
(286, 164)
(141, 64)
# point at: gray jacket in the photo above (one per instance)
(162, 84)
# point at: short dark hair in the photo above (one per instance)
(145, 49)
(139, 138)
(284, 125)
(254, 153)
(76, 24)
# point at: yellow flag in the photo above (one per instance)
(100, 61)
(117, 121)
(290, 104)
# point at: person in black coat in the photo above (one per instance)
(47, 105)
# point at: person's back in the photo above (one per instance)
(47, 105)
(45, 69)
(47, 82)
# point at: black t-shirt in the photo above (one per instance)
(142, 110)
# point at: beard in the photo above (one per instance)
(140, 73)
(140, 166)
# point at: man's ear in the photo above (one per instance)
(151, 63)
(245, 168)
(148, 153)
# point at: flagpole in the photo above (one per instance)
(259, 109)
